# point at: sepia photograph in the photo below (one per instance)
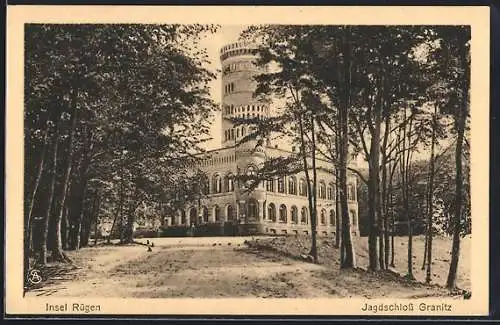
(193, 161)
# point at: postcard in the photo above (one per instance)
(247, 160)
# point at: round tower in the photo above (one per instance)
(238, 88)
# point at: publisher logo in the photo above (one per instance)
(34, 276)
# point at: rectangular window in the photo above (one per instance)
(270, 185)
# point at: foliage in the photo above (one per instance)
(128, 106)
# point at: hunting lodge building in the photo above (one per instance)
(276, 206)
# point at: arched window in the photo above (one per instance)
(332, 217)
(270, 185)
(281, 184)
(183, 217)
(302, 187)
(322, 190)
(295, 217)
(193, 216)
(271, 212)
(230, 213)
(283, 213)
(237, 133)
(205, 214)
(303, 215)
(230, 183)
(217, 183)
(226, 183)
(253, 212)
(217, 213)
(292, 185)
(323, 217)
(331, 192)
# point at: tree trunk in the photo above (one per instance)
(426, 243)
(406, 166)
(96, 219)
(430, 200)
(385, 209)
(373, 195)
(384, 222)
(393, 217)
(65, 229)
(426, 240)
(118, 213)
(27, 228)
(349, 258)
(336, 198)
(310, 193)
(57, 252)
(128, 237)
(45, 234)
(314, 221)
(456, 222)
(28, 217)
(91, 217)
(81, 218)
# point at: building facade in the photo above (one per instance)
(276, 206)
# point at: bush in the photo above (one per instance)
(175, 231)
(145, 233)
(208, 229)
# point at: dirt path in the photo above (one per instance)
(216, 267)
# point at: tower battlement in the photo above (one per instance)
(237, 49)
